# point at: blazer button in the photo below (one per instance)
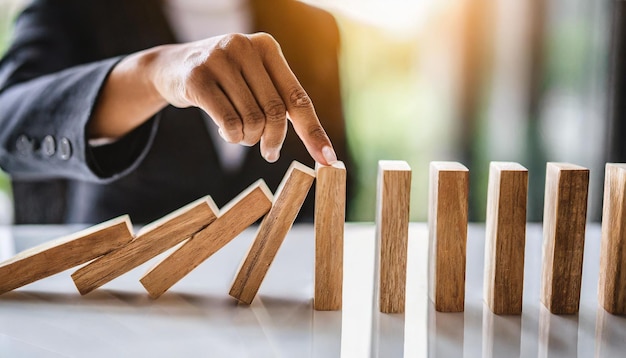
(48, 146)
(65, 149)
(24, 145)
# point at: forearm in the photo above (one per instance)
(128, 97)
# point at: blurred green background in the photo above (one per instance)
(474, 81)
(469, 80)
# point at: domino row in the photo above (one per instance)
(565, 213)
(111, 249)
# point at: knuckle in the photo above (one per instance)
(254, 117)
(299, 98)
(275, 110)
(231, 122)
(317, 133)
(233, 42)
(266, 41)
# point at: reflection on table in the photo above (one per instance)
(198, 318)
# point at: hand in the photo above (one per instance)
(245, 84)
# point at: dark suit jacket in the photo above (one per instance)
(50, 79)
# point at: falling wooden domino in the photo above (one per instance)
(330, 208)
(64, 253)
(152, 240)
(234, 218)
(288, 200)
(565, 213)
(612, 281)
(506, 237)
(392, 233)
(447, 231)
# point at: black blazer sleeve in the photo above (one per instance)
(48, 88)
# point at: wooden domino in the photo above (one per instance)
(330, 214)
(612, 281)
(234, 218)
(288, 200)
(64, 253)
(392, 233)
(152, 240)
(447, 231)
(506, 237)
(565, 213)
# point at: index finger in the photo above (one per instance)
(299, 106)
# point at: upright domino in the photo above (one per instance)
(330, 214)
(392, 233)
(235, 217)
(152, 240)
(447, 231)
(565, 213)
(64, 253)
(612, 281)
(506, 237)
(288, 200)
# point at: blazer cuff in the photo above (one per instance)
(114, 160)
(48, 119)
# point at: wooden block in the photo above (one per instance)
(447, 231)
(288, 199)
(612, 281)
(64, 253)
(392, 233)
(506, 237)
(152, 240)
(330, 215)
(235, 217)
(565, 213)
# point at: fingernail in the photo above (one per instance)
(272, 155)
(329, 155)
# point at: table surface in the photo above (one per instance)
(198, 318)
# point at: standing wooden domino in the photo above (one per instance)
(64, 253)
(234, 218)
(392, 233)
(565, 213)
(447, 231)
(152, 240)
(506, 237)
(330, 214)
(612, 281)
(288, 200)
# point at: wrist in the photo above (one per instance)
(128, 98)
(146, 65)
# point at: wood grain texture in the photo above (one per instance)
(235, 217)
(64, 253)
(288, 200)
(612, 280)
(392, 233)
(447, 231)
(152, 240)
(564, 218)
(505, 237)
(330, 217)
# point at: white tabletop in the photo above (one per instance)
(198, 318)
